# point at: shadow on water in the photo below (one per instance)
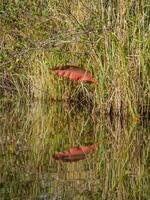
(31, 135)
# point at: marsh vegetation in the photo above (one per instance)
(41, 114)
(109, 38)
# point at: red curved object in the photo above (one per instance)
(75, 153)
(74, 73)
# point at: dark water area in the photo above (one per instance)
(30, 135)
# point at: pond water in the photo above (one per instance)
(31, 134)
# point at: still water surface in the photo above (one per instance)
(30, 134)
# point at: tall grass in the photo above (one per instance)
(110, 38)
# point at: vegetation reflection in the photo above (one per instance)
(31, 135)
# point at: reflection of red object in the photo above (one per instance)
(74, 153)
(74, 73)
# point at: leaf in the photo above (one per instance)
(73, 72)
(75, 153)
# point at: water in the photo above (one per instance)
(31, 134)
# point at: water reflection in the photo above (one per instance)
(30, 135)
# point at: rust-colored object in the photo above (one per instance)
(75, 153)
(73, 72)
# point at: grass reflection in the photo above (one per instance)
(30, 135)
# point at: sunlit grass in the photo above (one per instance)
(108, 38)
(41, 113)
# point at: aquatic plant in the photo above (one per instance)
(110, 38)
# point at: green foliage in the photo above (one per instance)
(109, 38)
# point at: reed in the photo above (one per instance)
(111, 39)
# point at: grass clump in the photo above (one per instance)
(110, 38)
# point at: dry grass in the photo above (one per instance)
(109, 38)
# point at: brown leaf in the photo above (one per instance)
(74, 73)
(75, 153)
